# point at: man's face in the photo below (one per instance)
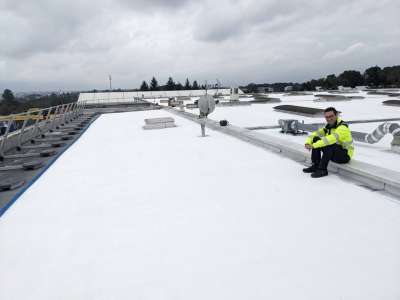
(330, 117)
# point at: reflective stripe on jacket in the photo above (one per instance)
(339, 134)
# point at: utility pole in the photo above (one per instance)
(109, 93)
(218, 85)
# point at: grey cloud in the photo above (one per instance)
(154, 4)
(235, 18)
(31, 27)
(63, 44)
(40, 26)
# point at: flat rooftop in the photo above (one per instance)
(129, 213)
(369, 108)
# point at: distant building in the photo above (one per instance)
(318, 88)
(265, 89)
(234, 94)
(288, 88)
(344, 88)
(261, 89)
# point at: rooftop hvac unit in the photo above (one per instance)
(234, 94)
(206, 105)
(290, 127)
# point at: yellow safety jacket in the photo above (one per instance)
(338, 134)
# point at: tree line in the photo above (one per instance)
(374, 77)
(12, 105)
(171, 85)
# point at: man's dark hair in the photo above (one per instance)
(331, 109)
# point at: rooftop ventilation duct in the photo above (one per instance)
(379, 133)
(295, 127)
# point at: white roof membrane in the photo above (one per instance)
(365, 109)
(165, 214)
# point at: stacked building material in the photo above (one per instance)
(159, 123)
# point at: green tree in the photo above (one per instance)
(351, 78)
(331, 82)
(187, 84)
(8, 95)
(392, 75)
(306, 86)
(170, 86)
(252, 88)
(144, 86)
(374, 76)
(154, 84)
(195, 85)
(311, 85)
(179, 86)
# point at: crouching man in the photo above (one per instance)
(333, 142)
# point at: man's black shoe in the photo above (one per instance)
(319, 173)
(311, 169)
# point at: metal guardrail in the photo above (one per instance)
(115, 101)
(37, 122)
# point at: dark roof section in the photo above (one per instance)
(300, 110)
(391, 102)
(390, 94)
(265, 100)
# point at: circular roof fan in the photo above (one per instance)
(206, 105)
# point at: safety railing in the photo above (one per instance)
(115, 101)
(28, 125)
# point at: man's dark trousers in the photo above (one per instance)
(335, 153)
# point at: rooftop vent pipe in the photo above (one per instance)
(379, 133)
(295, 127)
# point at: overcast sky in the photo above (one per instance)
(64, 44)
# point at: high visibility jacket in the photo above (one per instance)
(338, 134)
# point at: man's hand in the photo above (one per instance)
(308, 147)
